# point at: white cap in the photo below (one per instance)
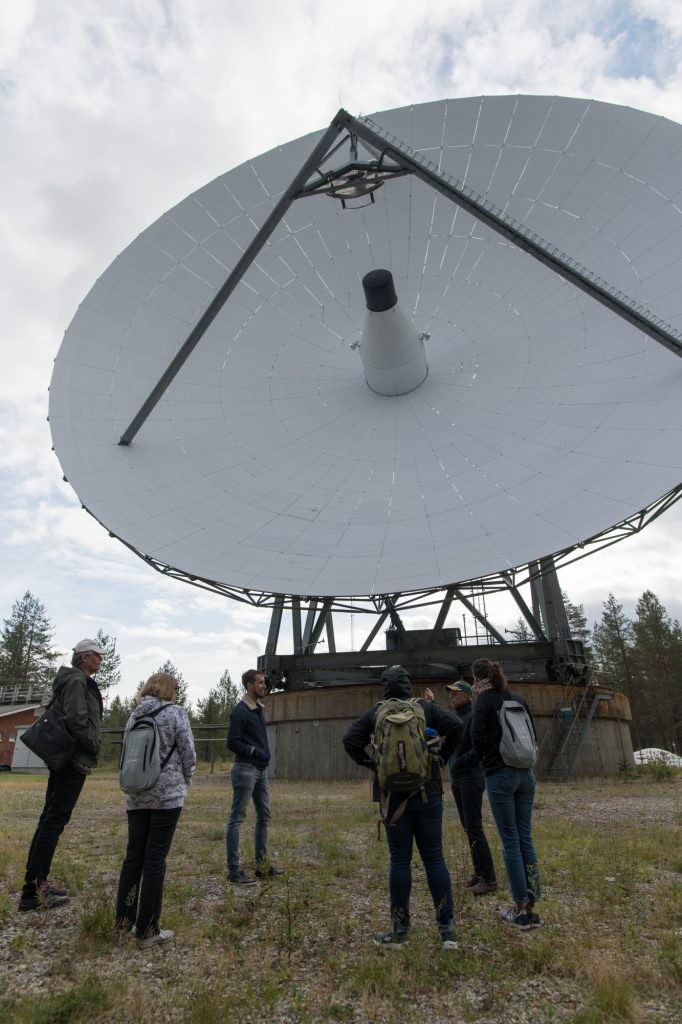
(84, 646)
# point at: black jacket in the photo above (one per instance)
(464, 763)
(357, 737)
(486, 731)
(247, 735)
(80, 700)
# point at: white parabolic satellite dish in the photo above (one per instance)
(270, 465)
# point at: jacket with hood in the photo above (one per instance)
(397, 683)
(80, 700)
(464, 763)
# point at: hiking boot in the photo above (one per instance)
(163, 935)
(390, 939)
(519, 918)
(241, 878)
(474, 880)
(42, 901)
(482, 887)
(269, 872)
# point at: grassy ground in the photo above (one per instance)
(299, 950)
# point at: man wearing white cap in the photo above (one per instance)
(77, 694)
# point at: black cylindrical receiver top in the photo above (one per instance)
(379, 290)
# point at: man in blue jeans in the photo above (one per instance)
(421, 821)
(247, 738)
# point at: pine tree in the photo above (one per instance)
(26, 652)
(658, 656)
(613, 639)
(109, 673)
(118, 712)
(183, 690)
(577, 619)
(521, 631)
(113, 724)
(215, 708)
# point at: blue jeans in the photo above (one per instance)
(248, 783)
(422, 822)
(510, 793)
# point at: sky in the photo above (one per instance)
(112, 113)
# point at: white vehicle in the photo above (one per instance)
(649, 754)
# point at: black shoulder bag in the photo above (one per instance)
(50, 739)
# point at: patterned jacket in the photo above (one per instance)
(170, 789)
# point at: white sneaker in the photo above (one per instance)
(449, 944)
(163, 935)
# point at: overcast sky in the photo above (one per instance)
(111, 113)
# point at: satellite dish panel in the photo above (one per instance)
(270, 465)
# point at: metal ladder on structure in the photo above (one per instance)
(565, 737)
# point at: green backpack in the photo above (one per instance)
(402, 759)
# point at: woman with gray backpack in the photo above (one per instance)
(157, 765)
(503, 736)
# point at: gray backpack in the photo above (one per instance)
(141, 764)
(518, 748)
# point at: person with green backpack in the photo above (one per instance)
(396, 739)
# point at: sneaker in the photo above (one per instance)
(41, 899)
(268, 872)
(533, 919)
(482, 887)
(241, 878)
(390, 938)
(448, 940)
(163, 935)
(519, 918)
(474, 880)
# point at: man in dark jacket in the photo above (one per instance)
(421, 820)
(468, 786)
(80, 700)
(247, 738)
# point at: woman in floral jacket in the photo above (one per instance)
(154, 813)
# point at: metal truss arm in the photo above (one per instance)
(526, 612)
(222, 295)
(522, 237)
(373, 632)
(442, 616)
(477, 615)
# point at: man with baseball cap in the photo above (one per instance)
(80, 701)
(468, 786)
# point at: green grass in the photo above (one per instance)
(299, 949)
(83, 1002)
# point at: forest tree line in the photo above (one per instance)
(641, 656)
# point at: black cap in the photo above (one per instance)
(379, 290)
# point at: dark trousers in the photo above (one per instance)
(468, 794)
(63, 789)
(421, 823)
(140, 887)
